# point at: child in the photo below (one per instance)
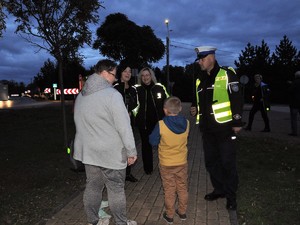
(171, 134)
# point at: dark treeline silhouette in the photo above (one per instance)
(277, 69)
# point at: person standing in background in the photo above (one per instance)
(294, 103)
(151, 97)
(129, 95)
(260, 98)
(104, 143)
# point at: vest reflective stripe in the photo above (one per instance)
(167, 94)
(136, 109)
(223, 114)
(220, 113)
(221, 105)
(197, 98)
(221, 108)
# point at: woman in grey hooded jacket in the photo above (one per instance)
(104, 143)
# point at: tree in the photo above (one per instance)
(246, 60)
(14, 87)
(182, 83)
(262, 59)
(276, 70)
(2, 17)
(285, 61)
(47, 75)
(121, 39)
(285, 56)
(61, 26)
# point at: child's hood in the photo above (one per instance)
(177, 124)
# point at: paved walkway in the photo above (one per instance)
(145, 202)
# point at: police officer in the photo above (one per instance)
(218, 107)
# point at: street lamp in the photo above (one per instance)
(167, 53)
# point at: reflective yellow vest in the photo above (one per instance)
(221, 108)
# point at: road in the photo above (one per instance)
(25, 102)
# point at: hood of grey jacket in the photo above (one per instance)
(93, 84)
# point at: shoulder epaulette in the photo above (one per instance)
(227, 68)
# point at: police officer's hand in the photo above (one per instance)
(131, 160)
(236, 129)
(193, 111)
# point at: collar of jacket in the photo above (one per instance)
(148, 86)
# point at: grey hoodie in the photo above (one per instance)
(103, 132)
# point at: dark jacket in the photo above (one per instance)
(261, 95)
(205, 91)
(150, 105)
(294, 94)
(129, 95)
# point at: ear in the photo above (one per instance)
(166, 111)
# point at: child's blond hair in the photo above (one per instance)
(173, 105)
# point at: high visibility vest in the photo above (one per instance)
(221, 106)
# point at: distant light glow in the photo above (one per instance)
(6, 104)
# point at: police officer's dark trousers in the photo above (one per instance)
(220, 160)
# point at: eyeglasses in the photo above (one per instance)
(111, 73)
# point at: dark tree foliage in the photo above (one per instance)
(60, 27)
(2, 17)
(14, 87)
(285, 61)
(47, 75)
(262, 57)
(183, 83)
(121, 39)
(276, 69)
(246, 60)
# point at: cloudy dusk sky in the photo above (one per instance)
(228, 25)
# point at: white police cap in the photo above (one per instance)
(203, 51)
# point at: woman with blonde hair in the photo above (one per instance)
(151, 97)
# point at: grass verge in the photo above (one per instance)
(35, 174)
(269, 192)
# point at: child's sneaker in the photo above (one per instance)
(104, 204)
(167, 219)
(181, 216)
